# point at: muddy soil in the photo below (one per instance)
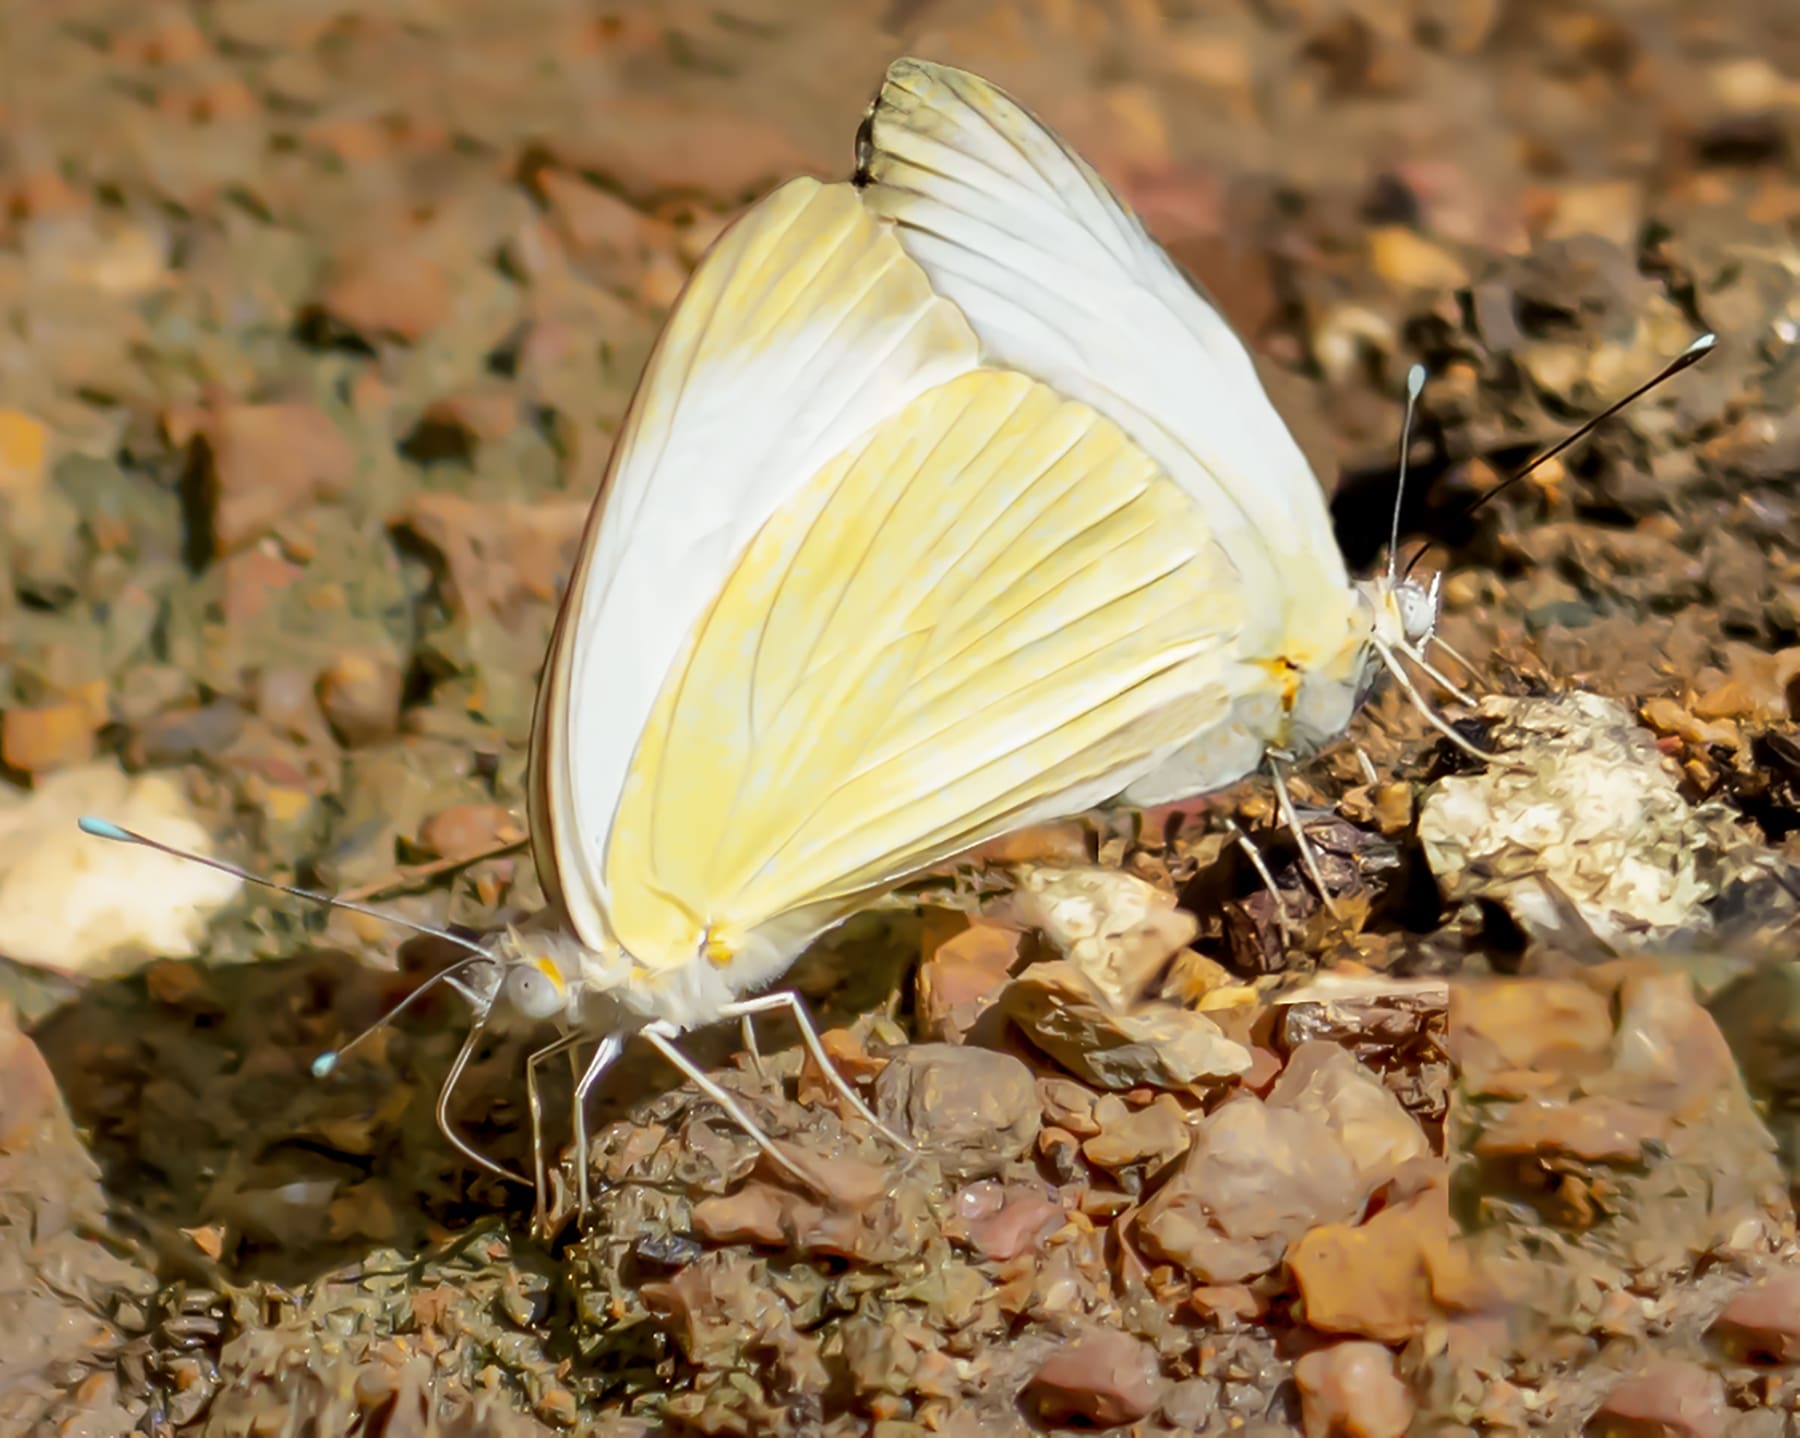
(319, 323)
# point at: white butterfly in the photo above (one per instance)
(946, 506)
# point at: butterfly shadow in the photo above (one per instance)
(217, 1146)
(192, 1085)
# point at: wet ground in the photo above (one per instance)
(318, 324)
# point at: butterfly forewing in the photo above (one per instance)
(1062, 282)
(803, 328)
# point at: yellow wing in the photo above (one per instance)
(803, 328)
(993, 609)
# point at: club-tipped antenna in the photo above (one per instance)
(1692, 355)
(105, 829)
(1415, 386)
(326, 1063)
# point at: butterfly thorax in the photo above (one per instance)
(1335, 669)
(608, 990)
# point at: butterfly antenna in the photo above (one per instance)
(1692, 355)
(104, 829)
(326, 1062)
(1415, 386)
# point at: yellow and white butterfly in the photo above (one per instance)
(945, 506)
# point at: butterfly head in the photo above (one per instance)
(539, 976)
(1404, 612)
(1402, 615)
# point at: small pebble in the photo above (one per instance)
(54, 736)
(973, 1109)
(1351, 1391)
(1762, 1323)
(1672, 1399)
(360, 693)
(1102, 1378)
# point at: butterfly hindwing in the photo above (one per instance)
(993, 609)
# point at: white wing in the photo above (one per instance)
(803, 327)
(1061, 281)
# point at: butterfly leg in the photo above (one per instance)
(748, 1030)
(1309, 858)
(445, 1127)
(1417, 655)
(565, 1043)
(661, 1035)
(809, 1035)
(1432, 717)
(1444, 644)
(610, 1048)
(1282, 918)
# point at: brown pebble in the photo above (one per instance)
(1508, 1027)
(1673, 1399)
(1002, 1221)
(1374, 1279)
(1350, 1390)
(28, 1091)
(284, 695)
(961, 974)
(972, 1109)
(1761, 1324)
(1407, 260)
(1103, 1378)
(1227, 1304)
(360, 693)
(24, 443)
(557, 1406)
(757, 1213)
(1256, 1178)
(1265, 1068)
(464, 829)
(388, 290)
(1730, 700)
(482, 415)
(267, 460)
(1372, 1125)
(1068, 1105)
(1155, 1134)
(51, 737)
(1598, 1129)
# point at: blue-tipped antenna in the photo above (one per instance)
(106, 829)
(326, 1063)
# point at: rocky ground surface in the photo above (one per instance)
(318, 322)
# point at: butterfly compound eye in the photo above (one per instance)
(531, 992)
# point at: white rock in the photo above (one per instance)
(1579, 812)
(73, 902)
